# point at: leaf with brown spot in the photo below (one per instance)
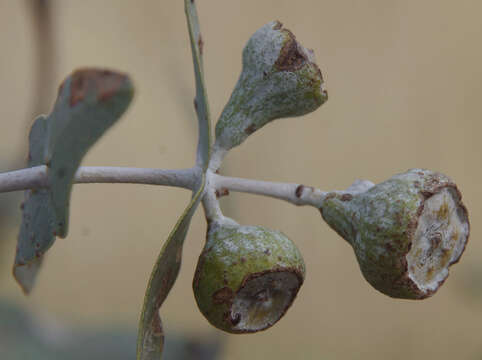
(90, 101)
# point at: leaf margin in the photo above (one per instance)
(201, 99)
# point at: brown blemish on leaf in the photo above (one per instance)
(78, 88)
(223, 296)
(104, 83)
(291, 57)
(267, 252)
(157, 326)
(243, 259)
(200, 44)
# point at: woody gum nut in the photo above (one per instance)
(279, 79)
(246, 277)
(406, 232)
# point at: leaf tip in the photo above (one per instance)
(98, 84)
(26, 274)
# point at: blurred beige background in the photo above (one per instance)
(405, 82)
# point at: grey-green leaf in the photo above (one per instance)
(150, 339)
(201, 99)
(90, 101)
(38, 218)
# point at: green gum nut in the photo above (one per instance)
(279, 79)
(246, 277)
(406, 232)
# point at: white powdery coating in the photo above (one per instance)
(279, 79)
(238, 239)
(261, 56)
(246, 239)
(439, 241)
(265, 52)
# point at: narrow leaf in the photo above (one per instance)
(90, 101)
(38, 218)
(201, 99)
(150, 338)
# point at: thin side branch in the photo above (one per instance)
(29, 178)
(211, 206)
(183, 178)
(296, 194)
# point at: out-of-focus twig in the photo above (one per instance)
(45, 56)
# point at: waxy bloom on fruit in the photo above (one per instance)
(279, 79)
(406, 232)
(247, 276)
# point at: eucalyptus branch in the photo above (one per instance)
(405, 231)
(36, 177)
(296, 194)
